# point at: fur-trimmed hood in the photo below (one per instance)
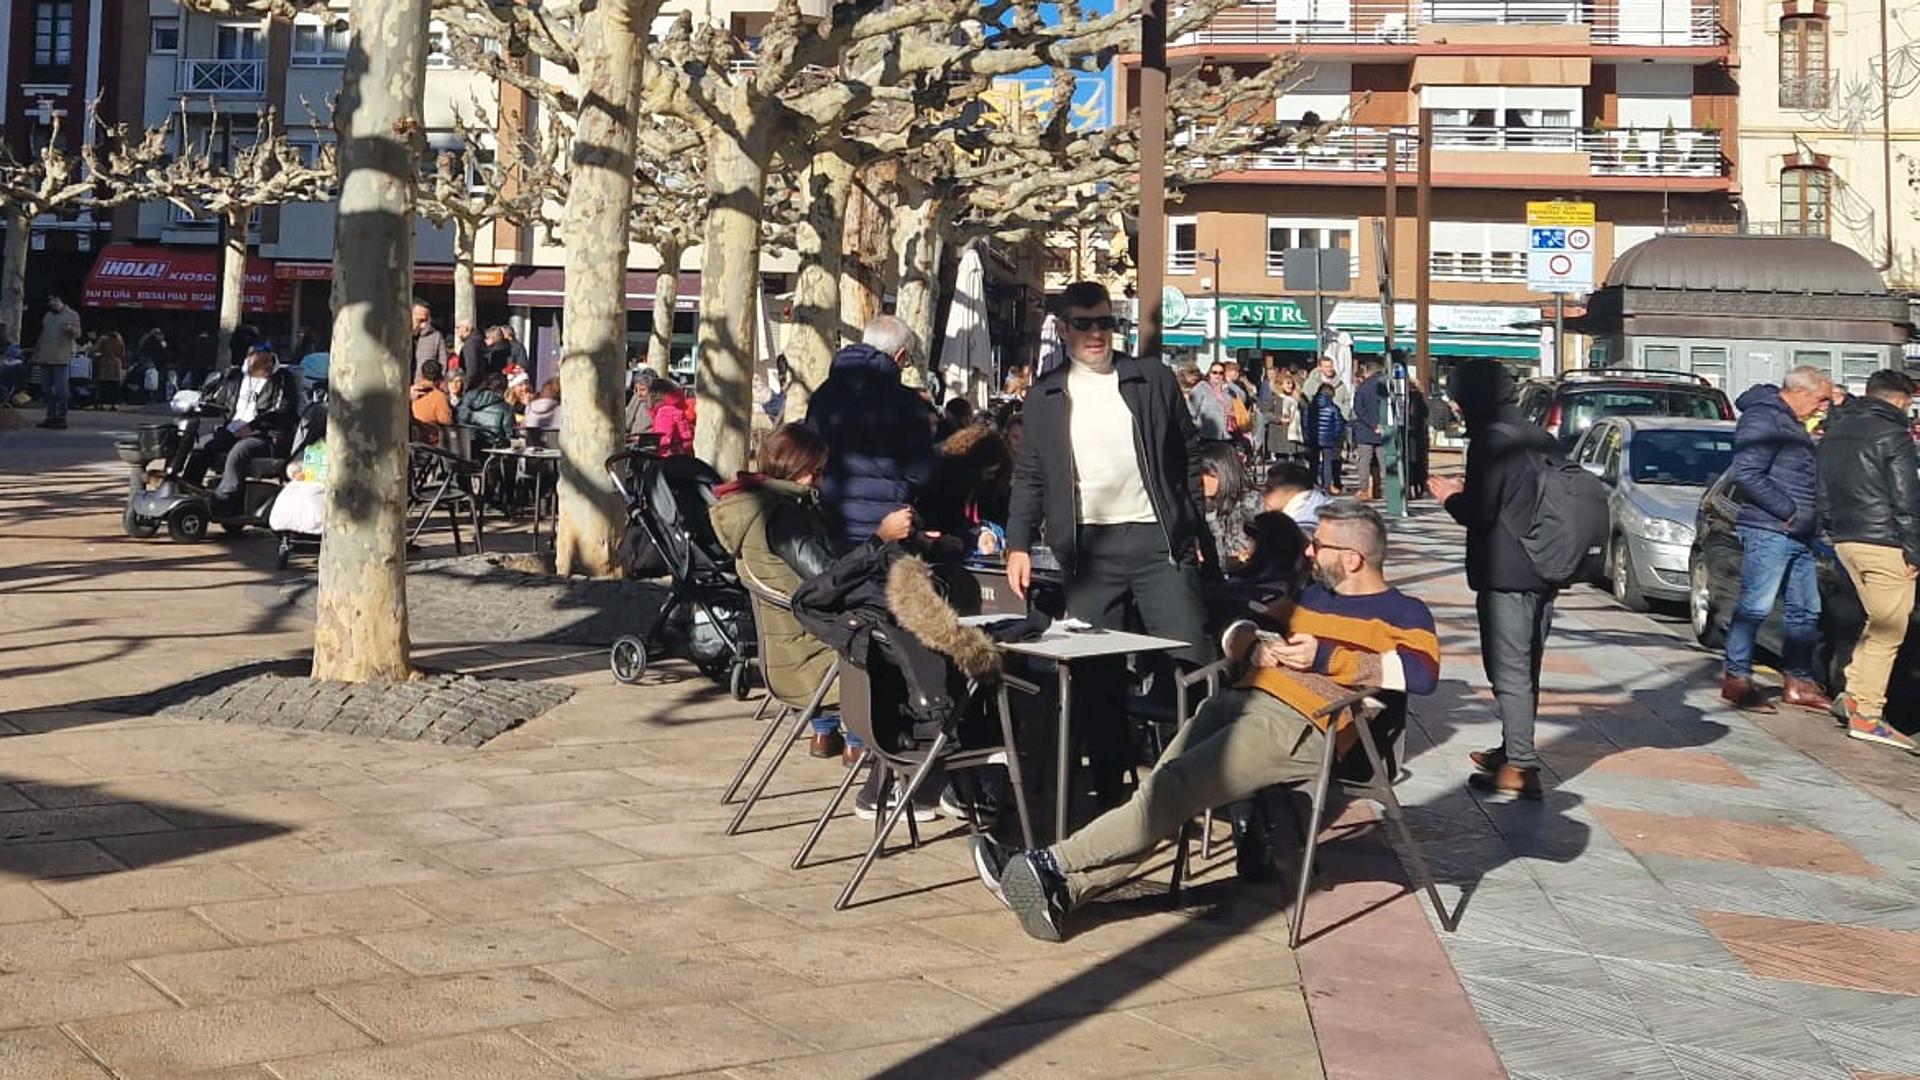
(919, 608)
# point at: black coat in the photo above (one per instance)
(1501, 498)
(1165, 443)
(1869, 478)
(277, 411)
(879, 441)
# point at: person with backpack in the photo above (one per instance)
(1509, 460)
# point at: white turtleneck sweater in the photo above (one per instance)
(1106, 468)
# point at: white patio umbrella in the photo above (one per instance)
(1053, 351)
(966, 355)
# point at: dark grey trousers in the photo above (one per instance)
(1513, 635)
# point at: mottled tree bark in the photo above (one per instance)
(817, 331)
(918, 244)
(666, 295)
(593, 343)
(13, 265)
(465, 303)
(233, 279)
(360, 632)
(729, 294)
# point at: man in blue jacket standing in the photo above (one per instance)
(1775, 468)
(1369, 430)
(879, 434)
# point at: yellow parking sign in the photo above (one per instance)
(1559, 213)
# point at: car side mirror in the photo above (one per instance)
(1595, 468)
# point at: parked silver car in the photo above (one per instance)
(1658, 468)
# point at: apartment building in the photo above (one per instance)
(216, 76)
(1628, 104)
(1826, 140)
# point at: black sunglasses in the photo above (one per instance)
(1084, 323)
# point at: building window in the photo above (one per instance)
(439, 45)
(1183, 245)
(319, 42)
(1709, 362)
(165, 34)
(1660, 357)
(1803, 62)
(1804, 192)
(237, 41)
(1483, 252)
(52, 37)
(1284, 233)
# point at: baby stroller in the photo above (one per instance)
(667, 500)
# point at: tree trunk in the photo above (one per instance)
(13, 272)
(816, 329)
(729, 293)
(465, 239)
(233, 280)
(918, 243)
(666, 296)
(360, 632)
(593, 343)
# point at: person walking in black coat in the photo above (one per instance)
(1774, 465)
(1109, 472)
(1870, 501)
(1496, 503)
(877, 432)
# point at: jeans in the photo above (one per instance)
(1239, 742)
(1513, 636)
(56, 380)
(1880, 578)
(1122, 570)
(1768, 561)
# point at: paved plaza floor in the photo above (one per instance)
(1701, 896)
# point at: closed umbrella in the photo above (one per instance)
(966, 355)
(1053, 351)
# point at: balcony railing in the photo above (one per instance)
(1484, 266)
(1183, 262)
(1621, 152)
(1386, 22)
(224, 78)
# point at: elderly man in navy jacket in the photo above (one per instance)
(878, 432)
(1774, 466)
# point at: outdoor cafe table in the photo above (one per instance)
(530, 459)
(1064, 648)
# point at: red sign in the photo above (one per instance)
(174, 279)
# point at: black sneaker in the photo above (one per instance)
(1037, 895)
(52, 424)
(990, 862)
(957, 806)
(866, 804)
(1252, 850)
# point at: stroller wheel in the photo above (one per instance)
(737, 682)
(628, 659)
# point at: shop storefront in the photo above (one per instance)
(540, 292)
(1252, 328)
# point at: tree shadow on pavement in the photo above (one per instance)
(88, 830)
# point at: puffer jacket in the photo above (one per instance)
(490, 414)
(1870, 479)
(1325, 421)
(776, 532)
(879, 442)
(1774, 464)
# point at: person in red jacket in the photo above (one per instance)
(672, 417)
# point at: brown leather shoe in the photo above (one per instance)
(1742, 694)
(1488, 760)
(1806, 693)
(825, 745)
(1508, 780)
(850, 756)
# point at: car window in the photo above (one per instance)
(1583, 408)
(1588, 448)
(1609, 457)
(1693, 458)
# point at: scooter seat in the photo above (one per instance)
(269, 469)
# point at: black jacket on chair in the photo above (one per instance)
(1164, 442)
(1869, 488)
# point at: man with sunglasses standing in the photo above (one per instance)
(1109, 473)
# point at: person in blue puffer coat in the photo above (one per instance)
(879, 433)
(1327, 424)
(1778, 478)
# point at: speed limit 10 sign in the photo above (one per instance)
(1560, 238)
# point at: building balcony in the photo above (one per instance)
(1665, 152)
(1659, 23)
(222, 78)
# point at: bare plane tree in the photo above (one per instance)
(48, 182)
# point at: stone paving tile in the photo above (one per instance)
(412, 1009)
(184, 1041)
(345, 870)
(656, 979)
(1245, 1025)
(664, 879)
(445, 949)
(535, 819)
(46, 1054)
(826, 959)
(158, 888)
(903, 1009)
(643, 928)
(487, 898)
(23, 903)
(78, 823)
(259, 922)
(256, 971)
(203, 846)
(1886, 961)
(665, 1041)
(494, 1055)
(529, 854)
(1057, 987)
(40, 998)
(1107, 1045)
(63, 943)
(912, 1058)
(58, 858)
(1713, 838)
(1887, 1048)
(421, 828)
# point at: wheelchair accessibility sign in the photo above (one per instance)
(1560, 247)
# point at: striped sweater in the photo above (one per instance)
(1383, 639)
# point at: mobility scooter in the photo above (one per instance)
(157, 456)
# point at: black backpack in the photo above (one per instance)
(1569, 527)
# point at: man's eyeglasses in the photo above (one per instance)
(1084, 323)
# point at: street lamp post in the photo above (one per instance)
(1219, 327)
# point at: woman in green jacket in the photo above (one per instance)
(486, 408)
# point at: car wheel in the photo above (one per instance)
(1626, 587)
(1706, 624)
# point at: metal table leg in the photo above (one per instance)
(539, 477)
(1063, 775)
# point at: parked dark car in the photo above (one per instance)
(1567, 406)
(1658, 468)
(1714, 587)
